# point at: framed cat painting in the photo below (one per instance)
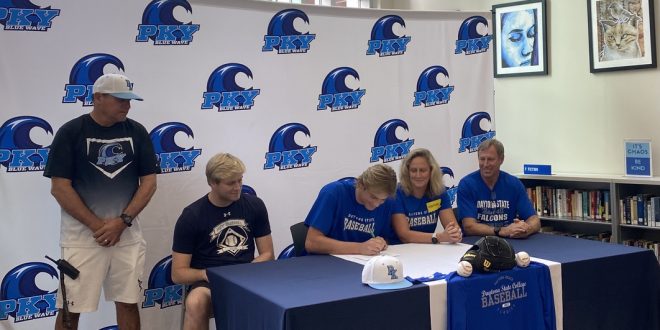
(621, 35)
(519, 36)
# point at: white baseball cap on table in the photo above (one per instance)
(384, 272)
(116, 85)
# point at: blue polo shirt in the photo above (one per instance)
(498, 207)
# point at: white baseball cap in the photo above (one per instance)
(116, 85)
(384, 272)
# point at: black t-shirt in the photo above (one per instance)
(104, 165)
(218, 236)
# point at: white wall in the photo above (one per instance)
(572, 119)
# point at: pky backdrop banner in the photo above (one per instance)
(304, 95)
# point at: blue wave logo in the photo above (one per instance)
(470, 41)
(162, 290)
(383, 40)
(248, 190)
(110, 154)
(284, 152)
(171, 157)
(283, 37)
(451, 190)
(472, 134)
(336, 95)
(223, 92)
(110, 327)
(23, 15)
(83, 75)
(18, 153)
(21, 298)
(159, 24)
(429, 91)
(387, 146)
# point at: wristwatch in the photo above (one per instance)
(497, 231)
(434, 240)
(127, 219)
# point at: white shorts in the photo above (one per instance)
(118, 269)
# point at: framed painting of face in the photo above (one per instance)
(520, 39)
(621, 35)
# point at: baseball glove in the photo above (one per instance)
(490, 254)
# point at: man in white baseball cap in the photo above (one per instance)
(103, 169)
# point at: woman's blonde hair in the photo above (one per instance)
(379, 177)
(223, 166)
(435, 186)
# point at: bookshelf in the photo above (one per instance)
(630, 186)
(612, 189)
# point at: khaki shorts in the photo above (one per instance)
(118, 269)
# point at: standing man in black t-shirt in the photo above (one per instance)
(221, 228)
(103, 169)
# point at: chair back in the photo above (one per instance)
(299, 234)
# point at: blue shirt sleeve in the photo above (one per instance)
(467, 203)
(445, 201)
(321, 215)
(387, 231)
(399, 206)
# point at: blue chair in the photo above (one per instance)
(288, 252)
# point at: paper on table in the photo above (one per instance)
(362, 259)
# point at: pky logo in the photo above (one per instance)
(22, 299)
(283, 150)
(336, 95)
(171, 157)
(476, 129)
(387, 146)
(159, 24)
(162, 290)
(383, 39)
(18, 153)
(451, 188)
(283, 37)
(223, 92)
(23, 15)
(470, 41)
(83, 75)
(429, 91)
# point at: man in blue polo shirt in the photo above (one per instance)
(493, 202)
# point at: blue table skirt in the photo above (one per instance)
(334, 300)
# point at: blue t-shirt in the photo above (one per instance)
(337, 214)
(497, 207)
(516, 299)
(422, 212)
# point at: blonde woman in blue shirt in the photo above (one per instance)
(421, 200)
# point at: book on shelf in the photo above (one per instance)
(655, 211)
